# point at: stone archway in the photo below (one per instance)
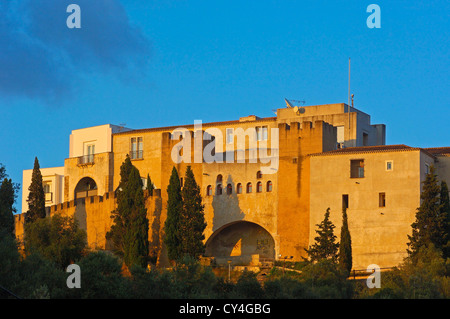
(86, 187)
(240, 240)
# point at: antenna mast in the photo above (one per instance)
(349, 81)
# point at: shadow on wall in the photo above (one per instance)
(225, 203)
(233, 237)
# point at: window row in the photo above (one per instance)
(357, 167)
(219, 178)
(239, 188)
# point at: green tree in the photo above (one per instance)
(430, 225)
(135, 241)
(345, 245)
(7, 196)
(101, 278)
(36, 196)
(192, 220)
(120, 214)
(174, 208)
(57, 238)
(150, 185)
(325, 246)
(445, 211)
(325, 280)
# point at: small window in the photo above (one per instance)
(258, 175)
(136, 148)
(219, 189)
(47, 188)
(382, 199)
(249, 187)
(219, 178)
(230, 137)
(269, 186)
(389, 165)
(259, 187)
(209, 190)
(357, 168)
(261, 133)
(344, 201)
(239, 188)
(229, 189)
(427, 169)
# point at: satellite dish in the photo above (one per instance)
(288, 104)
(295, 109)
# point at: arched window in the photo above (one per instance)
(219, 178)
(229, 189)
(269, 186)
(219, 189)
(258, 175)
(239, 188)
(209, 190)
(259, 187)
(249, 187)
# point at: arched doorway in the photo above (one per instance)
(240, 239)
(85, 187)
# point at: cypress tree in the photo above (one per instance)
(192, 220)
(345, 245)
(36, 196)
(120, 214)
(135, 241)
(7, 196)
(445, 211)
(430, 224)
(325, 246)
(174, 209)
(150, 185)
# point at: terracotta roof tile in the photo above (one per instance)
(438, 150)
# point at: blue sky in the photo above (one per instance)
(158, 63)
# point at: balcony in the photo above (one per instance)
(48, 197)
(137, 154)
(86, 159)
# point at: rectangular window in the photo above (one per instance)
(357, 168)
(88, 153)
(389, 165)
(47, 188)
(262, 133)
(230, 137)
(48, 191)
(344, 201)
(265, 133)
(136, 148)
(382, 199)
(427, 169)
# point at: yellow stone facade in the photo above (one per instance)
(312, 146)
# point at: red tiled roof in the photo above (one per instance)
(438, 150)
(372, 149)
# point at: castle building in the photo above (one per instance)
(266, 182)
